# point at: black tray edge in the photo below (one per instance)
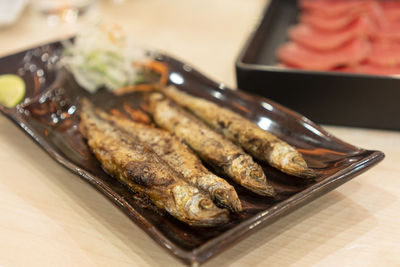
(245, 71)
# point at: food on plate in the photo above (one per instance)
(144, 171)
(328, 19)
(388, 33)
(212, 147)
(98, 57)
(166, 163)
(331, 8)
(371, 69)
(327, 24)
(12, 90)
(299, 56)
(391, 10)
(336, 35)
(311, 37)
(262, 144)
(179, 156)
(385, 54)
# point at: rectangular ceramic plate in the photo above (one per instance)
(48, 115)
(326, 97)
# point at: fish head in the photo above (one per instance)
(202, 211)
(290, 161)
(257, 180)
(251, 176)
(226, 196)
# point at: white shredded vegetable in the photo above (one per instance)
(98, 58)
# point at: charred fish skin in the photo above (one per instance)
(210, 145)
(261, 144)
(181, 159)
(141, 169)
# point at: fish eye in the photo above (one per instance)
(205, 203)
(256, 174)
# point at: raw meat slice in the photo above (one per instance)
(370, 9)
(317, 21)
(388, 33)
(359, 36)
(375, 12)
(392, 16)
(390, 4)
(371, 69)
(391, 10)
(351, 53)
(385, 54)
(321, 40)
(331, 8)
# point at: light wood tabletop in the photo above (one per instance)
(50, 217)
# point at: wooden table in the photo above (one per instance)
(50, 217)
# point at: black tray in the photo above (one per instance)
(370, 101)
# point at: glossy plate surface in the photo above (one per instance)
(48, 115)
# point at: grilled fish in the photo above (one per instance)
(181, 159)
(209, 145)
(141, 169)
(261, 144)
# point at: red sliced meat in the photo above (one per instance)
(351, 53)
(360, 36)
(392, 16)
(331, 8)
(388, 33)
(385, 54)
(321, 40)
(371, 69)
(318, 20)
(391, 10)
(375, 11)
(387, 4)
(390, 30)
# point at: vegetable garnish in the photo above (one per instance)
(12, 90)
(98, 57)
(159, 68)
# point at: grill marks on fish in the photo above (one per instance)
(144, 171)
(181, 159)
(212, 147)
(261, 144)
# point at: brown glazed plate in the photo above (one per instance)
(48, 116)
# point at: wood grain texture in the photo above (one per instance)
(50, 217)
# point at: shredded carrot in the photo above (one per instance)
(36, 87)
(136, 114)
(118, 113)
(160, 68)
(144, 106)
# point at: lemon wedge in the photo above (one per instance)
(12, 90)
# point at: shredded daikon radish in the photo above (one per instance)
(98, 57)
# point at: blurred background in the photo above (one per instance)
(184, 28)
(50, 217)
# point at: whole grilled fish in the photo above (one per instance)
(180, 158)
(141, 168)
(261, 144)
(209, 145)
